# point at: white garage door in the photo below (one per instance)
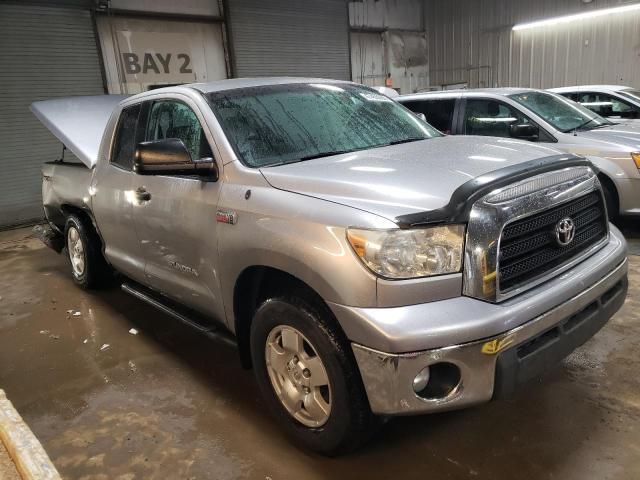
(146, 53)
(44, 53)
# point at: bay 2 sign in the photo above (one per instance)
(156, 63)
(149, 58)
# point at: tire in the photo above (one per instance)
(349, 422)
(82, 249)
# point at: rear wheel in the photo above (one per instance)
(308, 377)
(82, 246)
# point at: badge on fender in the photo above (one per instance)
(226, 216)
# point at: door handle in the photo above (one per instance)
(142, 194)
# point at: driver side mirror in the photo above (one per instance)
(525, 131)
(170, 157)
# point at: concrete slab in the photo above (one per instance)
(167, 403)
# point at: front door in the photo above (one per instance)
(176, 215)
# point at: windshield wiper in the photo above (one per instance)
(407, 140)
(340, 152)
(580, 127)
(323, 154)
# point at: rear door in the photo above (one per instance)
(113, 198)
(176, 224)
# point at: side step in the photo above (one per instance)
(195, 320)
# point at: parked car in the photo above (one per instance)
(388, 91)
(365, 264)
(615, 102)
(546, 119)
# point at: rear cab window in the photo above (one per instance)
(439, 112)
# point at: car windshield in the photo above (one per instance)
(633, 94)
(279, 124)
(562, 113)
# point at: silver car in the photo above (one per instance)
(616, 102)
(364, 264)
(548, 119)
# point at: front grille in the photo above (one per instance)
(528, 247)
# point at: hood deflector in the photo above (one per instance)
(78, 122)
(463, 198)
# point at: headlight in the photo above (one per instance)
(636, 158)
(411, 253)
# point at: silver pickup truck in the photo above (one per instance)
(366, 265)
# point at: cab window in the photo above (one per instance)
(439, 113)
(608, 105)
(173, 119)
(491, 118)
(125, 140)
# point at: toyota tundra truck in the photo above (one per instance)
(366, 265)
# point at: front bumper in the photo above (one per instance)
(495, 365)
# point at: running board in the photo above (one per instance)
(193, 319)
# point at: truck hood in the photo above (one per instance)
(78, 122)
(625, 136)
(402, 179)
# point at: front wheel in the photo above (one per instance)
(308, 377)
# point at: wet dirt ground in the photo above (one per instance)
(169, 404)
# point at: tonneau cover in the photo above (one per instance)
(78, 122)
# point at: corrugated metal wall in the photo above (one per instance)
(388, 37)
(471, 41)
(290, 37)
(44, 53)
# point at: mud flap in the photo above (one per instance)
(49, 237)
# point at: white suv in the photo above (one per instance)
(548, 119)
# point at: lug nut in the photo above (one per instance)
(295, 359)
(306, 373)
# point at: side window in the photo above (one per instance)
(172, 119)
(125, 141)
(608, 105)
(439, 113)
(491, 118)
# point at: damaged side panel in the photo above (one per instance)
(64, 185)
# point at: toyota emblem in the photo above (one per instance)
(565, 231)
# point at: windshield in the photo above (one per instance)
(277, 124)
(562, 113)
(633, 94)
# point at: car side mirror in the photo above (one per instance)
(421, 116)
(170, 157)
(525, 131)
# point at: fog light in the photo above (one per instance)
(421, 380)
(440, 381)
